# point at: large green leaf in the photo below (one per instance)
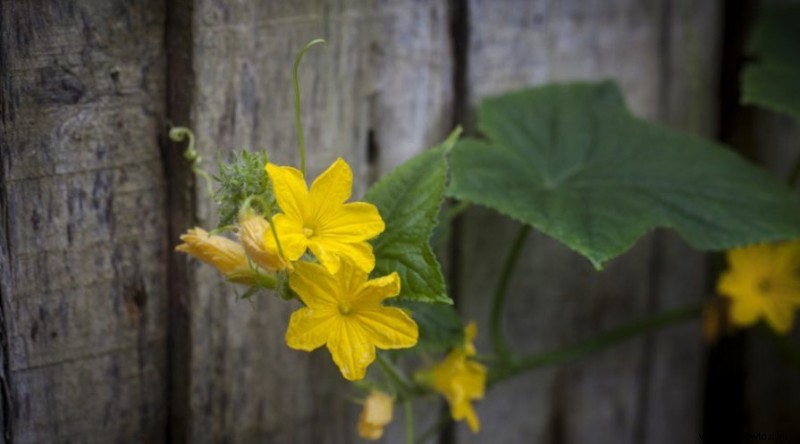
(408, 199)
(773, 80)
(571, 161)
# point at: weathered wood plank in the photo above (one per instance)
(614, 395)
(246, 385)
(377, 94)
(772, 386)
(83, 291)
(673, 382)
(411, 110)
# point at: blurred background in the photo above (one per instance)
(107, 335)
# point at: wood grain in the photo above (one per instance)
(83, 247)
(556, 298)
(772, 387)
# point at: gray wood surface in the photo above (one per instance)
(245, 384)
(107, 335)
(646, 390)
(383, 80)
(82, 209)
(772, 387)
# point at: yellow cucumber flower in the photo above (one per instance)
(344, 310)
(763, 282)
(252, 231)
(461, 380)
(377, 413)
(319, 219)
(224, 254)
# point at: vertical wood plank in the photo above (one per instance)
(82, 211)
(411, 110)
(772, 387)
(378, 93)
(672, 386)
(558, 299)
(246, 385)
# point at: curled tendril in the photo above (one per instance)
(179, 134)
(297, 114)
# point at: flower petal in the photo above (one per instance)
(374, 291)
(290, 189)
(316, 287)
(779, 316)
(328, 252)
(252, 230)
(331, 189)
(353, 222)
(745, 312)
(464, 410)
(351, 350)
(221, 252)
(470, 333)
(293, 242)
(388, 327)
(309, 328)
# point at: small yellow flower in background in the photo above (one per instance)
(319, 219)
(763, 282)
(461, 380)
(252, 231)
(344, 310)
(377, 413)
(224, 254)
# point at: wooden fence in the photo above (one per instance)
(109, 336)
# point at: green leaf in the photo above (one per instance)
(440, 326)
(571, 161)
(772, 81)
(408, 199)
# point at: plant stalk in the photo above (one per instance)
(530, 362)
(495, 325)
(408, 409)
(297, 113)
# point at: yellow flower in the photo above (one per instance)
(344, 311)
(224, 254)
(319, 219)
(377, 413)
(461, 380)
(763, 281)
(252, 231)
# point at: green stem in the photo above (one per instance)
(534, 361)
(495, 326)
(435, 428)
(794, 174)
(408, 409)
(297, 114)
(394, 374)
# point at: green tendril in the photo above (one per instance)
(297, 114)
(179, 134)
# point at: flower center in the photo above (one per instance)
(765, 286)
(308, 232)
(345, 307)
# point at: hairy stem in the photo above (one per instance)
(408, 410)
(495, 326)
(297, 113)
(395, 375)
(525, 363)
